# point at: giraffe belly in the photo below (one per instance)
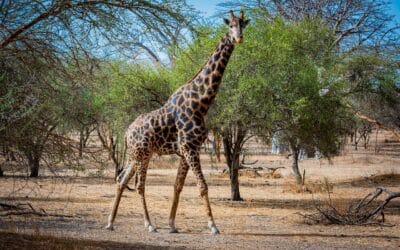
(167, 148)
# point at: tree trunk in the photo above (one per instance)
(356, 140)
(234, 180)
(34, 166)
(217, 141)
(110, 144)
(84, 135)
(115, 156)
(295, 164)
(233, 140)
(81, 143)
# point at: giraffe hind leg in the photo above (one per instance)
(193, 159)
(122, 181)
(141, 191)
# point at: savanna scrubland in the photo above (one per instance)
(314, 82)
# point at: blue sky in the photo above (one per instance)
(395, 10)
(208, 7)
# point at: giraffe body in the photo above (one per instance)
(177, 128)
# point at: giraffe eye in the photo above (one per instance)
(230, 26)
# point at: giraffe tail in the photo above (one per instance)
(121, 171)
(124, 154)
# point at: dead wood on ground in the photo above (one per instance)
(364, 212)
(7, 209)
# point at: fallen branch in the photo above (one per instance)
(30, 212)
(8, 205)
(249, 163)
(364, 212)
(273, 169)
(26, 209)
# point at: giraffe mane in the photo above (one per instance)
(202, 67)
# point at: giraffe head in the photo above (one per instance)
(236, 26)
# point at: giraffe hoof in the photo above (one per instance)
(173, 231)
(152, 229)
(214, 230)
(110, 227)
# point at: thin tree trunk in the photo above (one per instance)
(295, 164)
(34, 164)
(111, 147)
(234, 180)
(233, 139)
(86, 136)
(81, 143)
(217, 141)
(355, 140)
(376, 139)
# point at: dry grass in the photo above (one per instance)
(324, 186)
(377, 179)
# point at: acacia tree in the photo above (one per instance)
(276, 82)
(121, 92)
(297, 70)
(368, 37)
(355, 23)
(50, 49)
(364, 33)
(357, 29)
(373, 90)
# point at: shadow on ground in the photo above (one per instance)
(25, 241)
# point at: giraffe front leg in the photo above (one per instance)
(141, 191)
(193, 160)
(179, 182)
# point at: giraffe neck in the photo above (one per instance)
(197, 95)
(207, 81)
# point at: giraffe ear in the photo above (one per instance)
(246, 22)
(226, 21)
(231, 15)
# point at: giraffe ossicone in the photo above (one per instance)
(178, 128)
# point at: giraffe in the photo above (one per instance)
(178, 128)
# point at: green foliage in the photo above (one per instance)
(296, 66)
(372, 76)
(372, 86)
(274, 82)
(190, 59)
(123, 91)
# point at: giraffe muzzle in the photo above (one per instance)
(239, 40)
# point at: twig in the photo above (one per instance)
(8, 206)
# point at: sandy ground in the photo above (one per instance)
(267, 218)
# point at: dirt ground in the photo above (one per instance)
(268, 218)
